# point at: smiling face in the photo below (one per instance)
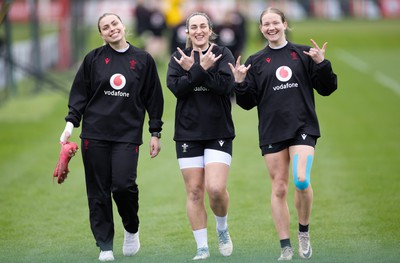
(199, 31)
(111, 29)
(273, 28)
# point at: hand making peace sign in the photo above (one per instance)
(317, 54)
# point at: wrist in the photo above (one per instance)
(69, 127)
(67, 132)
(156, 134)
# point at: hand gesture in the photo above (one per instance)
(208, 59)
(185, 62)
(239, 71)
(315, 53)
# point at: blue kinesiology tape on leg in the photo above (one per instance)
(302, 185)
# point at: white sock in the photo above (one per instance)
(222, 222)
(201, 237)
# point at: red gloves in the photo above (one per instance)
(68, 150)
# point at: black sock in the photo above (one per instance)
(303, 228)
(285, 243)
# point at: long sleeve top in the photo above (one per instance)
(112, 91)
(281, 83)
(203, 107)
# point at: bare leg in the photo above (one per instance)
(278, 168)
(303, 198)
(216, 181)
(195, 208)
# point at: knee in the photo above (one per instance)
(302, 182)
(216, 193)
(280, 189)
(121, 189)
(195, 195)
(302, 185)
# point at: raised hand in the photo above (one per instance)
(185, 62)
(316, 53)
(239, 71)
(208, 59)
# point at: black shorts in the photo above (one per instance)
(187, 149)
(300, 139)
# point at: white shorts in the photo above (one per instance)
(210, 156)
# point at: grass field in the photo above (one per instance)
(355, 174)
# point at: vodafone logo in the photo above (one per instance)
(283, 73)
(117, 81)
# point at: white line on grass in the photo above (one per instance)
(388, 82)
(360, 65)
(353, 61)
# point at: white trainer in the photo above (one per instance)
(224, 243)
(305, 250)
(131, 243)
(286, 253)
(202, 253)
(106, 256)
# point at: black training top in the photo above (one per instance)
(112, 91)
(203, 108)
(280, 83)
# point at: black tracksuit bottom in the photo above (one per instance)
(110, 172)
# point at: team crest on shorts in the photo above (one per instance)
(184, 147)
